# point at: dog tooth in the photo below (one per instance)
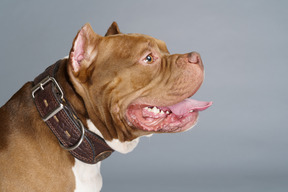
(167, 112)
(191, 111)
(154, 110)
(161, 112)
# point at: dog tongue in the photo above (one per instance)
(189, 104)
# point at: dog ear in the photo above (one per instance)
(83, 50)
(113, 29)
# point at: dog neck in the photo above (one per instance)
(59, 115)
(122, 147)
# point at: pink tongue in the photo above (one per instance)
(189, 104)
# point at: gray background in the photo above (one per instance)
(240, 143)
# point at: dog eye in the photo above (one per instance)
(149, 59)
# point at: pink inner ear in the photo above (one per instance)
(78, 51)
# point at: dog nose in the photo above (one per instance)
(193, 57)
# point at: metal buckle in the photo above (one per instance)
(80, 140)
(40, 86)
(44, 82)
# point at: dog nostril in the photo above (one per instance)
(193, 58)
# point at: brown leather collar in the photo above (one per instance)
(60, 117)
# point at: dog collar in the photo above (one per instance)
(60, 117)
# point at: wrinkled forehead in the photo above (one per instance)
(151, 41)
(137, 41)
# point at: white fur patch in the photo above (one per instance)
(88, 177)
(122, 147)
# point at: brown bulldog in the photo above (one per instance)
(110, 91)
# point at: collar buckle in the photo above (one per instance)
(40, 86)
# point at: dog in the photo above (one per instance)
(110, 91)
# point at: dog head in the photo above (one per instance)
(132, 86)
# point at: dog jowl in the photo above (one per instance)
(107, 93)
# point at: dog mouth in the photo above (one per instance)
(175, 118)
